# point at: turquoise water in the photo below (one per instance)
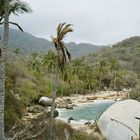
(86, 112)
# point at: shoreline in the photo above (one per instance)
(83, 100)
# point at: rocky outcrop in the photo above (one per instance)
(119, 122)
(66, 103)
(36, 109)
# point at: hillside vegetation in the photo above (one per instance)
(112, 68)
(127, 56)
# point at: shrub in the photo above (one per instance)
(12, 112)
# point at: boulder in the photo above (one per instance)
(119, 121)
(45, 101)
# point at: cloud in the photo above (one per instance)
(94, 21)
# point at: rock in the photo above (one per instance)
(35, 109)
(68, 101)
(92, 98)
(69, 106)
(70, 119)
(118, 122)
(62, 105)
(65, 105)
(45, 101)
(56, 113)
(87, 123)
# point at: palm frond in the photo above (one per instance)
(67, 52)
(18, 7)
(65, 30)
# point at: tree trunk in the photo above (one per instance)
(89, 88)
(100, 82)
(62, 85)
(77, 87)
(114, 80)
(2, 68)
(51, 131)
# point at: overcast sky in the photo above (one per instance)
(94, 21)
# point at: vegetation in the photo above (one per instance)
(33, 77)
(28, 78)
(6, 9)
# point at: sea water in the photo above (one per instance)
(86, 112)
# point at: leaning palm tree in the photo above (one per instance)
(62, 54)
(6, 8)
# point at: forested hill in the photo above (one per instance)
(28, 43)
(127, 52)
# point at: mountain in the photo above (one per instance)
(28, 43)
(127, 52)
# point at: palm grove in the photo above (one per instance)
(49, 75)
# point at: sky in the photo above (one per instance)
(100, 22)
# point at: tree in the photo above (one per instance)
(77, 68)
(16, 7)
(88, 77)
(17, 51)
(49, 61)
(102, 64)
(62, 54)
(2, 67)
(34, 62)
(6, 8)
(114, 66)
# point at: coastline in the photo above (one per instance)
(83, 100)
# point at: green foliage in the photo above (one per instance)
(13, 111)
(135, 94)
(115, 68)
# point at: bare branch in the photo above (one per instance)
(13, 23)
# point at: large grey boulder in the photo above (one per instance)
(118, 122)
(45, 101)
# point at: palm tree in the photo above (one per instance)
(16, 7)
(34, 62)
(6, 8)
(77, 68)
(2, 67)
(88, 77)
(114, 66)
(49, 61)
(62, 54)
(102, 64)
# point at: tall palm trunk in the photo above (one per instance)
(77, 83)
(100, 82)
(51, 131)
(2, 68)
(62, 85)
(115, 80)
